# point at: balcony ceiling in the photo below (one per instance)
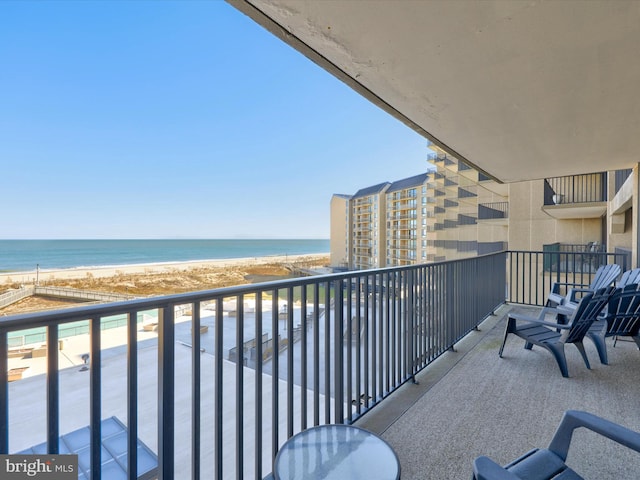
(576, 210)
(519, 89)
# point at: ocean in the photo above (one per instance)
(27, 255)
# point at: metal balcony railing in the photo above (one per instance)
(621, 177)
(278, 358)
(328, 349)
(587, 188)
(493, 210)
(531, 274)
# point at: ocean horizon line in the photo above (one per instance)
(107, 239)
(160, 264)
(58, 254)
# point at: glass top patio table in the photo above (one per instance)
(336, 452)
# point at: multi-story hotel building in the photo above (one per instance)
(381, 225)
(453, 211)
(406, 220)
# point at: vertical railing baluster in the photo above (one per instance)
(522, 293)
(411, 331)
(359, 293)
(442, 302)
(132, 395)
(349, 348)
(510, 266)
(391, 295)
(290, 366)
(218, 392)
(275, 375)
(327, 352)
(339, 350)
(4, 393)
(379, 289)
(387, 361)
(374, 316)
(195, 390)
(365, 359)
(423, 315)
(429, 311)
(303, 353)
(53, 390)
(166, 392)
(316, 354)
(258, 405)
(239, 387)
(95, 395)
(534, 278)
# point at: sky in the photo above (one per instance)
(177, 119)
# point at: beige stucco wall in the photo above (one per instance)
(338, 231)
(622, 219)
(530, 227)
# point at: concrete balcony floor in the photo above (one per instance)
(471, 402)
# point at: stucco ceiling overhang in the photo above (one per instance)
(519, 89)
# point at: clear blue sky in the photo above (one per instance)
(177, 119)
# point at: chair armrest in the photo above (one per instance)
(540, 319)
(573, 419)
(559, 298)
(566, 309)
(486, 469)
(571, 294)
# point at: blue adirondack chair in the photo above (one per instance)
(622, 319)
(563, 293)
(549, 463)
(629, 277)
(553, 335)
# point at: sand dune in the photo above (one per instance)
(148, 268)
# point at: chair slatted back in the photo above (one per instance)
(623, 314)
(605, 276)
(587, 312)
(629, 277)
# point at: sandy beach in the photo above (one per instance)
(46, 276)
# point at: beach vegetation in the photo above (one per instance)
(150, 282)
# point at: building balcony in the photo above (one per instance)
(404, 216)
(576, 196)
(410, 205)
(411, 236)
(467, 194)
(223, 377)
(493, 213)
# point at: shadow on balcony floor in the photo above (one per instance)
(471, 403)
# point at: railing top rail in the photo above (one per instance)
(556, 252)
(593, 174)
(38, 319)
